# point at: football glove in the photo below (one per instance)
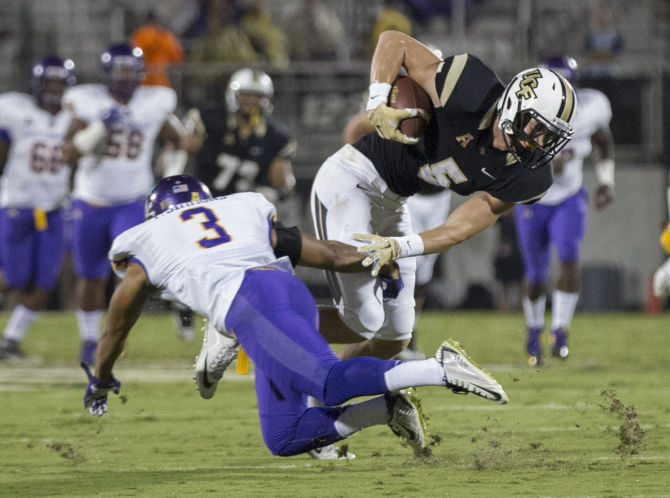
(95, 398)
(379, 250)
(386, 120)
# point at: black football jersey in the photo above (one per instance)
(455, 151)
(228, 162)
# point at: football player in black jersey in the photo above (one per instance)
(484, 139)
(243, 150)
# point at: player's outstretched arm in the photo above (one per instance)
(125, 308)
(476, 214)
(330, 255)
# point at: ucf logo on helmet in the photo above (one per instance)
(528, 83)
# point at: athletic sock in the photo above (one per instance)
(534, 311)
(427, 372)
(89, 324)
(358, 416)
(563, 309)
(19, 323)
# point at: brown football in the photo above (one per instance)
(407, 93)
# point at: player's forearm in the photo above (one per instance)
(109, 349)
(473, 216)
(330, 255)
(388, 57)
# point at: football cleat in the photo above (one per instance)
(407, 419)
(559, 347)
(330, 452)
(463, 376)
(534, 347)
(11, 350)
(218, 351)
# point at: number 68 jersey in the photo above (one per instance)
(34, 174)
(198, 252)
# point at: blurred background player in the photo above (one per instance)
(112, 140)
(35, 186)
(244, 150)
(560, 217)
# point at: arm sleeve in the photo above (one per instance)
(289, 243)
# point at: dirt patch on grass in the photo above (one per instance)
(631, 435)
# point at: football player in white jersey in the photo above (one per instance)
(560, 217)
(226, 259)
(111, 140)
(35, 185)
(427, 210)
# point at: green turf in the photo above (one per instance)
(569, 430)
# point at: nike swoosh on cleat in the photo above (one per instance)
(205, 382)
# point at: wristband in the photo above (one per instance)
(379, 94)
(605, 172)
(410, 245)
(87, 139)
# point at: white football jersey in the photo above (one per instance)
(34, 174)
(197, 253)
(120, 170)
(593, 113)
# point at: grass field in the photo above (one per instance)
(597, 424)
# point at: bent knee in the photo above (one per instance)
(368, 317)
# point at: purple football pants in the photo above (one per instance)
(93, 230)
(275, 319)
(29, 255)
(538, 226)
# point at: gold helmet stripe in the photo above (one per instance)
(568, 105)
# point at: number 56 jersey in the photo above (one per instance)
(119, 170)
(198, 252)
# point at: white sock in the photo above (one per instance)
(89, 324)
(563, 309)
(19, 323)
(358, 416)
(427, 372)
(534, 311)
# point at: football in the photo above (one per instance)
(406, 93)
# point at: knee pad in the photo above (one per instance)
(367, 318)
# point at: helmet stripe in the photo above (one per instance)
(568, 104)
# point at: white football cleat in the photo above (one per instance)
(407, 419)
(330, 452)
(462, 375)
(218, 351)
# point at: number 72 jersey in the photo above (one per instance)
(198, 253)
